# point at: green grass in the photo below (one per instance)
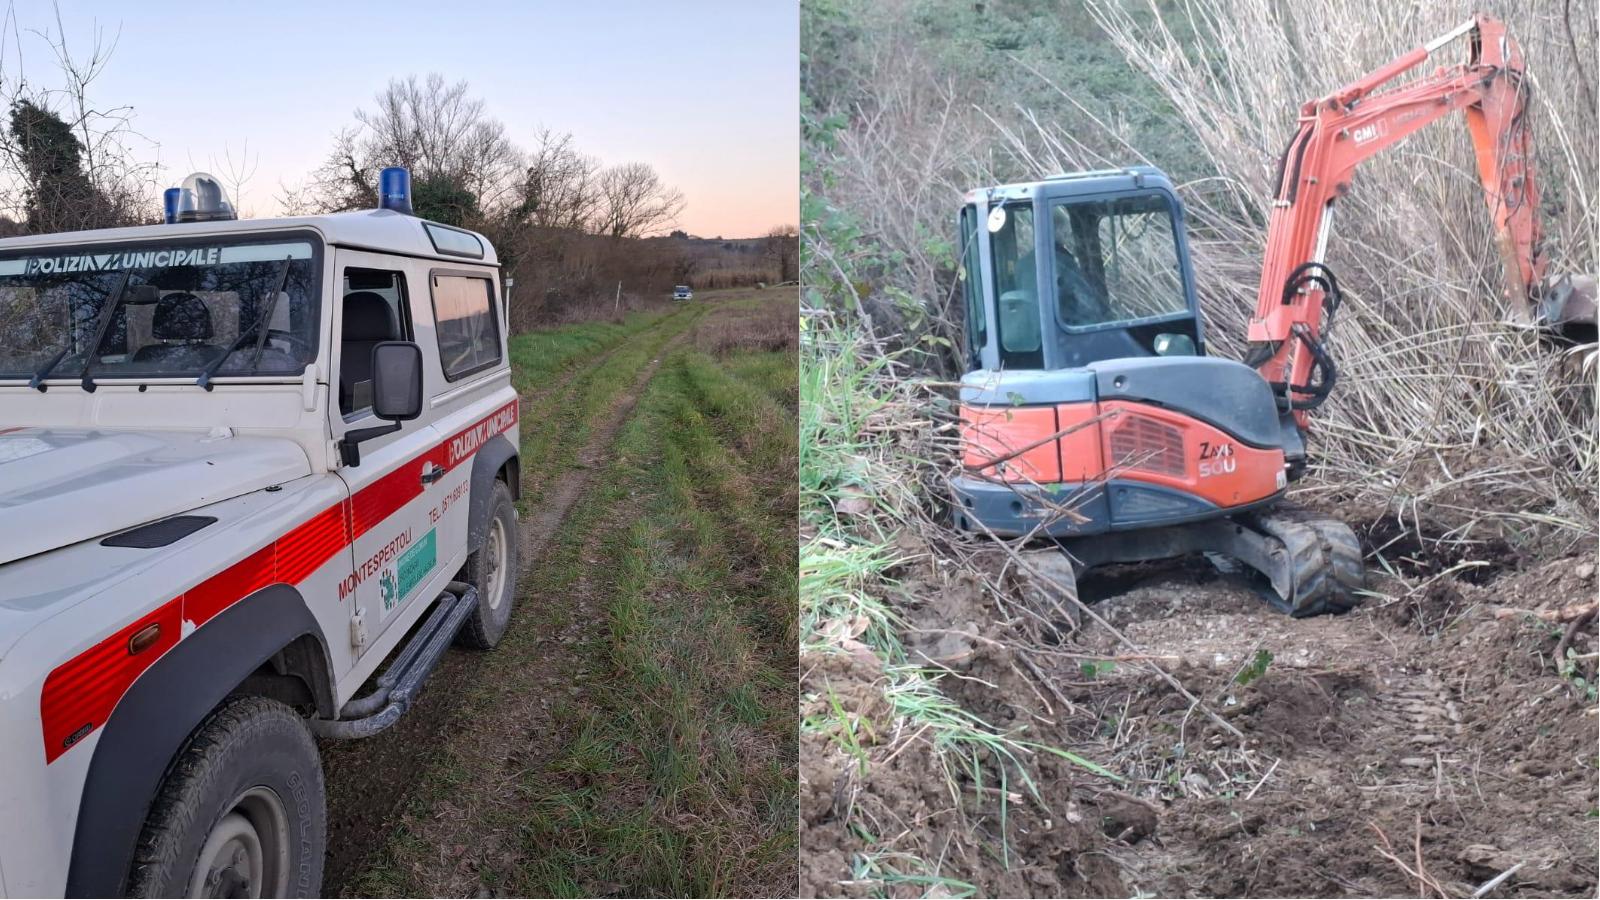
(570, 379)
(687, 753)
(664, 761)
(849, 420)
(539, 355)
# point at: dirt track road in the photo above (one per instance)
(369, 780)
(451, 800)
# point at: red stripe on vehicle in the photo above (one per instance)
(380, 499)
(304, 549)
(80, 694)
(202, 602)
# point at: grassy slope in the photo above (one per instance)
(664, 758)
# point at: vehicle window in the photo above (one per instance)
(469, 336)
(1116, 261)
(1016, 287)
(971, 282)
(374, 310)
(168, 309)
(453, 241)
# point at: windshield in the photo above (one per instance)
(167, 309)
(1116, 261)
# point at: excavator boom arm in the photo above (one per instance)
(1360, 120)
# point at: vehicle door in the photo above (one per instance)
(396, 551)
(474, 401)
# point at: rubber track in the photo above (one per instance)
(1325, 560)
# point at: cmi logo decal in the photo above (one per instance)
(1370, 132)
(388, 589)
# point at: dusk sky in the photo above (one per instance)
(707, 91)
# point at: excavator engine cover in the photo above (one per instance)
(1119, 444)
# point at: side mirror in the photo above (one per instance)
(396, 395)
(397, 381)
(1173, 345)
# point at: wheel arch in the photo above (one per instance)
(496, 460)
(270, 631)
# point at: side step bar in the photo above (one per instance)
(400, 683)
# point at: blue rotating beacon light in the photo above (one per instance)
(394, 189)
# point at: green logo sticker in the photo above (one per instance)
(417, 562)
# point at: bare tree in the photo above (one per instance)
(66, 160)
(782, 247)
(560, 188)
(463, 166)
(636, 202)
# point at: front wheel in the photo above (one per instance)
(241, 813)
(492, 569)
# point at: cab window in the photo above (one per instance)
(972, 286)
(1016, 287)
(374, 310)
(1116, 261)
(469, 334)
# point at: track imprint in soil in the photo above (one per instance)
(1442, 737)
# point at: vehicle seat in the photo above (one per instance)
(182, 322)
(1019, 331)
(368, 321)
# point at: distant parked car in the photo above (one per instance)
(682, 292)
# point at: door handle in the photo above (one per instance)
(432, 473)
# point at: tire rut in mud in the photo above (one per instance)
(369, 781)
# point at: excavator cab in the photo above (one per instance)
(1091, 416)
(1089, 405)
(1078, 268)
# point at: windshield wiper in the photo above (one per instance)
(37, 381)
(103, 326)
(259, 330)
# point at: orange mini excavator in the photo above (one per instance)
(1091, 416)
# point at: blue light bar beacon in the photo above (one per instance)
(169, 204)
(394, 189)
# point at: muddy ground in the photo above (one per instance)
(1419, 746)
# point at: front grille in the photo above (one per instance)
(1141, 443)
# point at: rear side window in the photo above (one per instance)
(469, 334)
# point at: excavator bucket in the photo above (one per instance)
(1566, 304)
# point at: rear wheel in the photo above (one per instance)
(241, 813)
(492, 569)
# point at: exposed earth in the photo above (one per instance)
(1422, 745)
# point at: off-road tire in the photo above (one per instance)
(488, 622)
(248, 752)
